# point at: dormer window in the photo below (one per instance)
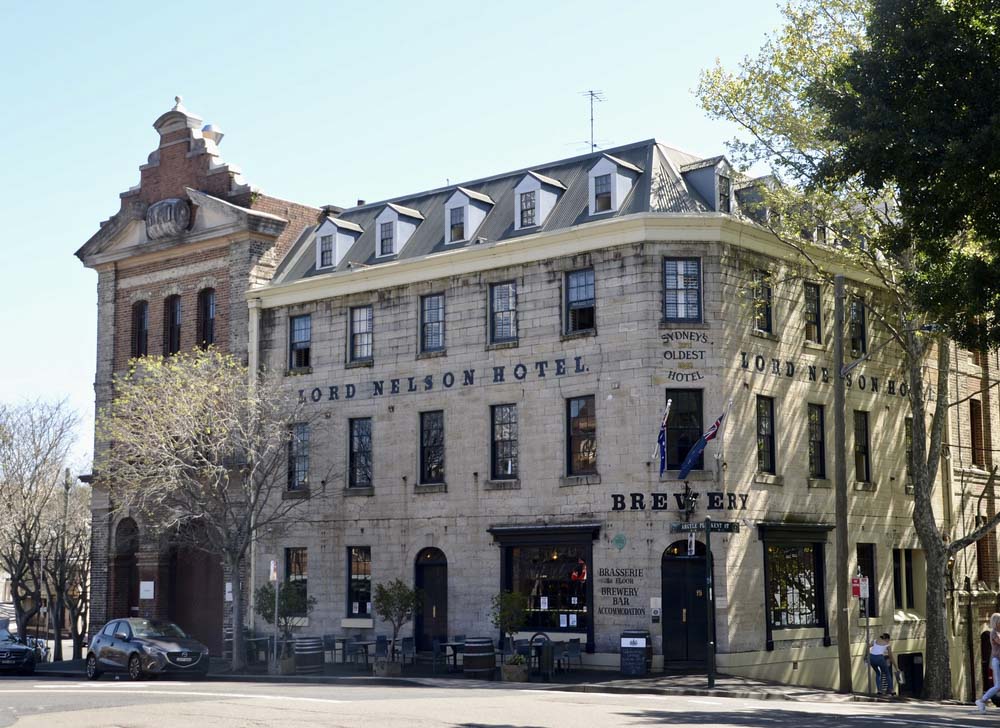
(602, 193)
(326, 251)
(534, 198)
(465, 211)
(394, 226)
(334, 237)
(610, 181)
(457, 224)
(386, 245)
(528, 208)
(725, 192)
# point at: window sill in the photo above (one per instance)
(357, 623)
(813, 346)
(503, 345)
(432, 354)
(430, 488)
(764, 335)
(908, 488)
(768, 479)
(869, 487)
(568, 481)
(673, 324)
(363, 491)
(904, 615)
(784, 634)
(502, 485)
(298, 372)
(570, 335)
(360, 364)
(297, 494)
(871, 621)
(696, 475)
(819, 483)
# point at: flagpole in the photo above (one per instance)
(720, 456)
(663, 423)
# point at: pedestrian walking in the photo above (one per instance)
(994, 662)
(881, 661)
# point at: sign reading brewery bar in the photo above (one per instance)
(447, 380)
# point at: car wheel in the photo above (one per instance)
(134, 668)
(92, 672)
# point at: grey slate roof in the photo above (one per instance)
(659, 187)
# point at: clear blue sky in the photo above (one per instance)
(321, 102)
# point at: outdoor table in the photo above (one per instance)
(456, 647)
(257, 645)
(366, 644)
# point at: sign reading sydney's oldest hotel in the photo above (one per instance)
(497, 374)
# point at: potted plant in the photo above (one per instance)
(293, 604)
(395, 603)
(509, 614)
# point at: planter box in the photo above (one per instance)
(514, 673)
(286, 666)
(384, 668)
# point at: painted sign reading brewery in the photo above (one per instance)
(447, 380)
(813, 373)
(714, 501)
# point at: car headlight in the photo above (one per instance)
(155, 651)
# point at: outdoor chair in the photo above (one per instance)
(330, 645)
(437, 651)
(357, 652)
(458, 639)
(572, 651)
(382, 647)
(409, 649)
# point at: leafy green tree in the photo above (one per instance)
(843, 222)
(396, 603)
(293, 604)
(510, 612)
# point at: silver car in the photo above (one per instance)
(144, 647)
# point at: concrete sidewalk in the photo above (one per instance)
(584, 681)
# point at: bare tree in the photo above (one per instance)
(202, 451)
(35, 438)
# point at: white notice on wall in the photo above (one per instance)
(572, 620)
(229, 591)
(562, 620)
(145, 590)
(272, 575)
(543, 602)
(354, 607)
(369, 611)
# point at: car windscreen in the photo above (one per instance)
(6, 636)
(153, 629)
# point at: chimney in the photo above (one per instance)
(360, 203)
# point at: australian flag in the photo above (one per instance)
(661, 439)
(699, 447)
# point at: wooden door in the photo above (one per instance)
(431, 622)
(685, 609)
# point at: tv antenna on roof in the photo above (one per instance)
(595, 95)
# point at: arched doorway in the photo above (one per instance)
(195, 592)
(685, 605)
(125, 570)
(431, 578)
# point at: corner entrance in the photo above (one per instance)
(195, 595)
(431, 578)
(685, 603)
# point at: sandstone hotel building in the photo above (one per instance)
(491, 361)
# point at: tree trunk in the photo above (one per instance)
(238, 663)
(937, 663)
(57, 616)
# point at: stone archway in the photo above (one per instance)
(685, 604)
(124, 592)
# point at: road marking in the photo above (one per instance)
(704, 702)
(189, 693)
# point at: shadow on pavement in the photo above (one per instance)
(770, 718)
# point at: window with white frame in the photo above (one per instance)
(602, 193)
(326, 251)
(361, 333)
(682, 289)
(528, 208)
(503, 312)
(386, 238)
(456, 224)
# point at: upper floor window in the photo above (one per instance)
(581, 436)
(682, 289)
(503, 450)
(360, 453)
(814, 331)
(580, 304)
(456, 224)
(602, 193)
(866, 567)
(528, 202)
(361, 333)
(299, 342)
(765, 435)
(359, 581)
(762, 302)
(325, 251)
(684, 426)
(386, 244)
(908, 451)
(904, 591)
(298, 456)
(859, 334)
(725, 194)
(206, 317)
(817, 442)
(172, 325)
(976, 432)
(140, 328)
(862, 453)
(432, 447)
(503, 312)
(432, 322)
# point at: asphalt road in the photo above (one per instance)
(112, 703)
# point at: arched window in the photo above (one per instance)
(140, 328)
(206, 317)
(172, 325)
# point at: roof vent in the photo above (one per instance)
(481, 240)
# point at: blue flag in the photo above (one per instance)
(661, 439)
(699, 447)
